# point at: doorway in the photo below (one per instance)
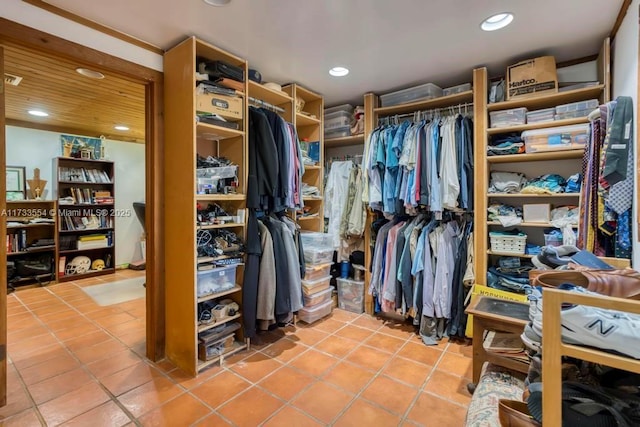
(18, 37)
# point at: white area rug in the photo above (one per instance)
(117, 292)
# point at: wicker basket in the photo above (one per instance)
(508, 244)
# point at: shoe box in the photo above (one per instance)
(229, 107)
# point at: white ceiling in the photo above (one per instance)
(387, 44)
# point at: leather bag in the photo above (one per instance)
(513, 413)
(613, 283)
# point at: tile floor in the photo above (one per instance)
(74, 363)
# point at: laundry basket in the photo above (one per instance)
(508, 244)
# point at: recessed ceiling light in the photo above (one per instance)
(217, 2)
(497, 21)
(90, 73)
(339, 71)
(120, 127)
(38, 113)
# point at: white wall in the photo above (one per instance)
(625, 82)
(35, 17)
(36, 149)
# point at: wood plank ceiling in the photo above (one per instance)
(75, 103)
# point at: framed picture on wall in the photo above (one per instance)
(15, 182)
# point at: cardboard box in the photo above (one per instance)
(532, 77)
(229, 107)
(490, 292)
(536, 212)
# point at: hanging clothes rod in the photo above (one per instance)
(261, 103)
(452, 109)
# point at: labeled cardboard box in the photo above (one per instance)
(532, 77)
(229, 107)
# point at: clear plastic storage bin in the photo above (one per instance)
(339, 119)
(310, 287)
(318, 297)
(348, 108)
(341, 132)
(216, 280)
(315, 272)
(591, 104)
(572, 137)
(313, 238)
(573, 114)
(315, 313)
(351, 295)
(540, 116)
(456, 89)
(503, 243)
(221, 172)
(505, 118)
(416, 93)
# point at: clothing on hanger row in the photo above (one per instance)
(419, 269)
(422, 163)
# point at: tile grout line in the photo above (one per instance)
(83, 366)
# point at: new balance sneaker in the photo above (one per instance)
(600, 328)
(554, 257)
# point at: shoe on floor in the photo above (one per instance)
(554, 257)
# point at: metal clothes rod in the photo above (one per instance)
(453, 109)
(265, 104)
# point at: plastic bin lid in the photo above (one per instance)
(317, 307)
(310, 267)
(312, 283)
(554, 131)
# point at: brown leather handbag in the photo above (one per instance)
(513, 413)
(614, 283)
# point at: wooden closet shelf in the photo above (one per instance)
(220, 294)
(304, 120)
(533, 126)
(311, 167)
(221, 197)
(429, 104)
(509, 254)
(86, 275)
(263, 93)
(203, 328)
(214, 226)
(526, 224)
(237, 347)
(213, 132)
(344, 141)
(537, 157)
(551, 100)
(525, 196)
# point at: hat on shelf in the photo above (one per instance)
(273, 86)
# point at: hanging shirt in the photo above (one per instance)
(449, 183)
(336, 197)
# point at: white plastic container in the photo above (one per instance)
(216, 280)
(339, 119)
(506, 244)
(573, 137)
(318, 297)
(506, 118)
(341, 132)
(541, 116)
(318, 248)
(315, 313)
(310, 287)
(591, 104)
(351, 295)
(348, 108)
(315, 272)
(416, 93)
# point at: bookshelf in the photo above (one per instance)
(85, 192)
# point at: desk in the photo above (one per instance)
(492, 314)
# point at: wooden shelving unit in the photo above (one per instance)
(344, 141)
(184, 140)
(429, 104)
(309, 125)
(564, 163)
(88, 177)
(24, 235)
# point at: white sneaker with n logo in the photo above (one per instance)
(603, 329)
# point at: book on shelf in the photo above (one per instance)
(17, 242)
(87, 222)
(92, 237)
(83, 175)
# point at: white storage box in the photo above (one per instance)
(591, 104)
(348, 108)
(318, 297)
(506, 244)
(505, 118)
(536, 212)
(315, 272)
(351, 295)
(417, 93)
(456, 89)
(315, 313)
(318, 248)
(316, 239)
(216, 280)
(558, 138)
(339, 119)
(310, 287)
